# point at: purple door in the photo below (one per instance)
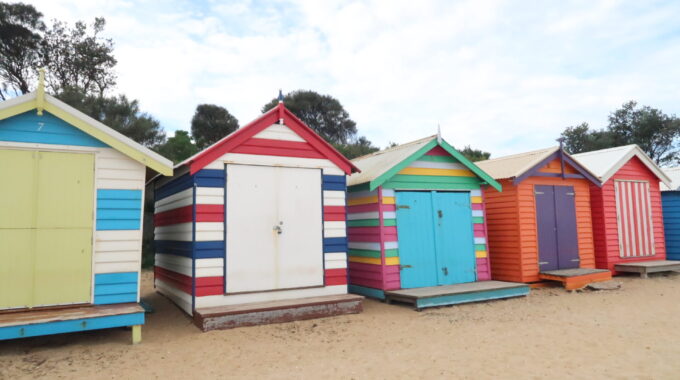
(556, 223)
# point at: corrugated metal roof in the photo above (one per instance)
(376, 164)
(516, 164)
(604, 163)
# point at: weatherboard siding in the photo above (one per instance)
(671, 222)
(605, 222)
(190, 223)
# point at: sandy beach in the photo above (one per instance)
(627, 333)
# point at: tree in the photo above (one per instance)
(656, 133)
(78, 59)
(21, 30)
(210, 124)
(323, 113)
(357, 148)
(474, 154)
(178, 148)
(119, 113)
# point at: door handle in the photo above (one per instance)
(278, 228)
(446, 271)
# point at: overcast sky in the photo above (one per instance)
(503, 76)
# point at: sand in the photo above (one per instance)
(627, 333)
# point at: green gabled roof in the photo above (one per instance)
(377, 168)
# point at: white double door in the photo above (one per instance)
(274, 228)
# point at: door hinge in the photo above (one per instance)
(575, 259)
(538, 192)
(405, 266)
(572, 194)
(543, 262)
(403, 206)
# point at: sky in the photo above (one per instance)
(502, 76)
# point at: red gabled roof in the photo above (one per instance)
(317, 146)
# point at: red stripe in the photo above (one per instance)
(267, 147)
(174, 216)
(336, 276)
(204, 213)
(205, 286)
(362, 208)
(334, 213)
(438, 151)
(209, 213)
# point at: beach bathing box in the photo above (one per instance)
(670, 200)
(540, 226)
(626, 209)
(71, 203)
(416, 227)
(252, 229)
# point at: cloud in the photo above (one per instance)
(499, 75)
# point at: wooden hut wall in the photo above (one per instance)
(671, 222)
(118, 194)
(604, 214)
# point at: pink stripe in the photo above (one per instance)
(362, 208)
(479, 234)
(477, 206)
(479, 227)
(358, 231)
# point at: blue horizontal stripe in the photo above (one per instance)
(209, 178)
(28, 127)
(334, 182)
(119, 209)
(337, 244)
(197, 250)
(115, 278)
(203, 178)
(61, 327)
(115, 298)
(103, 290)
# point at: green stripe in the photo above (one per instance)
(374, 254)
(480, 247)
(370, 223)
(359, 187)
(437, 159)
(477, 219)
(364, 253)
(435, 179)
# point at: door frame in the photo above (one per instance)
(74, 149)
(472, 227)
(224, 269)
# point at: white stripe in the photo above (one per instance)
(279, 132)
(480, 240)
(335, 260)
(237, 299)
(651, 223)
(475, 193)
(437, 165)
(391, 245)
(477, 213)
(640, 211)
(619, 216)
(389, 215)
(387, 192)
(180, 298)
(334, 229)
(333, 198)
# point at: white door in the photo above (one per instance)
(274, 228)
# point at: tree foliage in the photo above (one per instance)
(178, 148)
(323, 113)
(474, 154)
(358, 147)
(656, 133)
(119, 113)
(210, 124)
(21, 30)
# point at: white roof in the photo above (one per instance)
(376, 164)
(674, 175)
(516, 164)
(604, 163)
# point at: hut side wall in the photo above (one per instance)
(190, 265)
(119, 194)
(605, 224)
(504, 239)
(671, 222)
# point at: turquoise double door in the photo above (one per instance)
(436, 238)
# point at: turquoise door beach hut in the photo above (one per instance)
(417, 229)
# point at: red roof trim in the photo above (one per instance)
(242, 135)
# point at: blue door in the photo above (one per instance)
(436, 241)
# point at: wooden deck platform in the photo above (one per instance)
(252, 314)
(645, 267)
(456, 294)
(28, 323)
(576, 278)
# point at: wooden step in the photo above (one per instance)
(456, 294)
(252, 314)
(645, 267)
(576, 278)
